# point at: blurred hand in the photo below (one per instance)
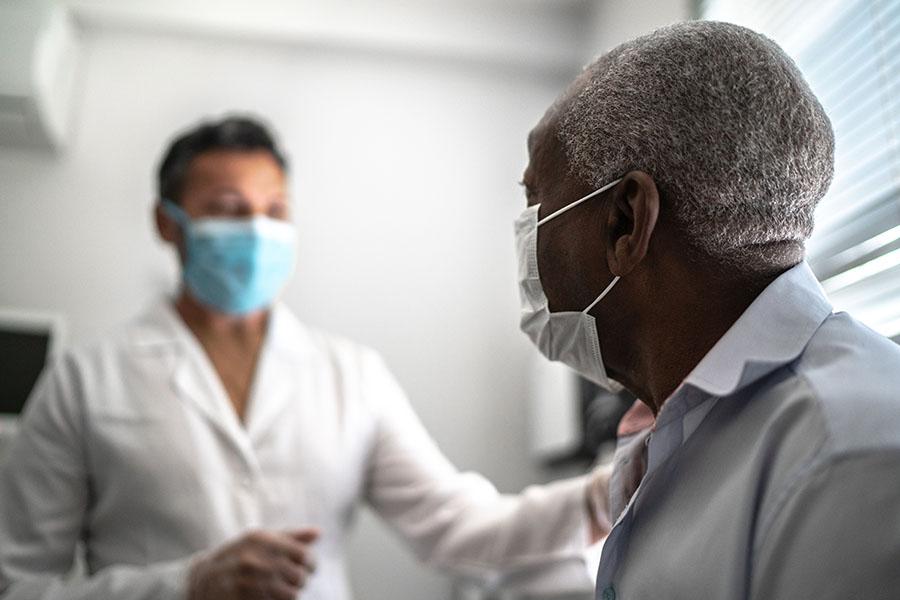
(259, 565)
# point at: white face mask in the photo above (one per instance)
(568, 337)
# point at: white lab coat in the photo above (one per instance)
(132, 446)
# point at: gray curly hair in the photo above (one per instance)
(721, 118)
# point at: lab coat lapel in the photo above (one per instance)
(209, 399)
(275, 385)
(195, 381)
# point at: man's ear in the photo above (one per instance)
(166, 226)
(632, 218)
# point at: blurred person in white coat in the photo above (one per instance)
(216, 447)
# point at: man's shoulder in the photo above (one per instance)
(156, 332)
(842, 342)
(305, 340)
(853, 374)
(149, 329)
(834, 409)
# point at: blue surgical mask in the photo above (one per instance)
(235, 265)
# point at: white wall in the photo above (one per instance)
(404, 182)
(612, 22)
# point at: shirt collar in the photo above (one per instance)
(772, 332)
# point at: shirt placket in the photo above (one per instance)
(661, 446)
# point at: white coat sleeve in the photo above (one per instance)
(837, 534)
(531, 542)
(44, 499)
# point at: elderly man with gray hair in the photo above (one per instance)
(670, 192)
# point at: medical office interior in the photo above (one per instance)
(405, 126)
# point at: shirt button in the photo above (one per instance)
(609, 593)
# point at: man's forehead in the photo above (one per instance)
(544, 145)
(230, 156)
(538, 136)
(235, 162)
(551, 120)
(233, 169)
(531, 136)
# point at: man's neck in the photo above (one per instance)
(673, 340)
(232, 343)
(211, 326)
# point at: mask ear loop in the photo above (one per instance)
(602, 294)
(579, 201)
(570, 207)
(177, 213)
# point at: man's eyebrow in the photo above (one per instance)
(225, 189)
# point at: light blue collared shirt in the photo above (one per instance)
(774, 469)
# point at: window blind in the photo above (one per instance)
(849, 52)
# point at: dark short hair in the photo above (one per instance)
(240, 133)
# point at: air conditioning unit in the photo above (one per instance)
(38, 58)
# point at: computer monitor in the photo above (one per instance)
(27, 341)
